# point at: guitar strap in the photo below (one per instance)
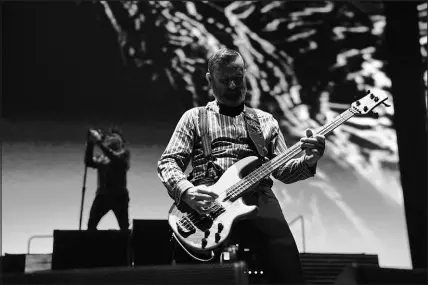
(205, 135)
(206, 142)
(253, 128)
(255, 133)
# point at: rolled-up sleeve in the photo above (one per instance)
(176, 157)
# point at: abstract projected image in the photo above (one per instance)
(422, 13)
(142, 65)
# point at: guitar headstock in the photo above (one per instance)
(369, 102)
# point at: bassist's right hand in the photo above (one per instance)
(199, 198)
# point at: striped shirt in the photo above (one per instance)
(230, 143)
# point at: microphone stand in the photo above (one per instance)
(83, 197)
(83, 190)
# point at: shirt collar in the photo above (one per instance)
(212, 106)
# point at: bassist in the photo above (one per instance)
(235, 131)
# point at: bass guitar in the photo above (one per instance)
(201, 234)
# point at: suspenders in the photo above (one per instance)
(253, 128)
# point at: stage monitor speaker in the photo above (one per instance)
(12, 263)
(373, 275)
(151, 242)
(201, 274)
(90, 249)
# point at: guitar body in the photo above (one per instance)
(201, 233)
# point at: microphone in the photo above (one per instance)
(97, 133)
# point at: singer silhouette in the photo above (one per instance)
(112, 167)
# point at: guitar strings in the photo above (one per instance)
(236, 190)
(334, 124)
(195, 217)
(339, 120)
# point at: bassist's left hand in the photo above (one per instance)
(314, 147)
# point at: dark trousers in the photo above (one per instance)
(270, 236)
(103, 203)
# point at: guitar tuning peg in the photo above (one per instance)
(367, 92)
(386, 105)
(375, 115)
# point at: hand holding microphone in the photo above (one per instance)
(94, 136)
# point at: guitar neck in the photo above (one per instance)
(266, 169)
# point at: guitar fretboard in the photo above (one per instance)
(266, 169)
